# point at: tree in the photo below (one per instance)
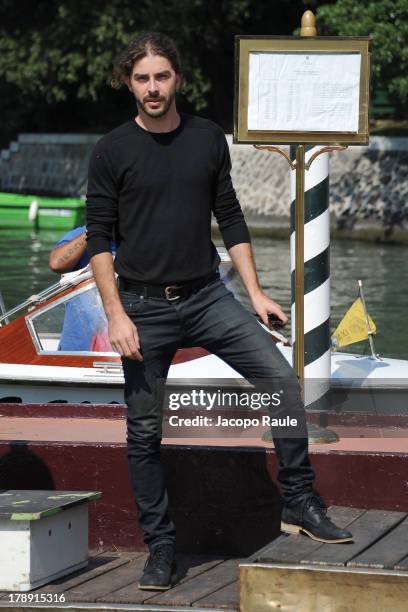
(65, 50)
(56, 56)
(386, 22)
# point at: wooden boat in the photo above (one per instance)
(34, 368)
(38, 212)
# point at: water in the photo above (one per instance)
(383, 268)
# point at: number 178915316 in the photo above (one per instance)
(36, 597)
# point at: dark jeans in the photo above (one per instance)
(213, 319)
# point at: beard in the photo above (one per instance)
(156, 113)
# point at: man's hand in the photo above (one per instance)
(263, 306)
(122, 332)
(123, 336)
(243, 260)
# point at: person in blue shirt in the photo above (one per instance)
(84, 318)
(70, 252)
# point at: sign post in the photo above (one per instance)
(316, 263)
(301, 91)
(299, 349)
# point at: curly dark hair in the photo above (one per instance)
(148, 42)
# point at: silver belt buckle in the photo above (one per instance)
(169, 290)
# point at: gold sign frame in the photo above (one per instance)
(245, 45)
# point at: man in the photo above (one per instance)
(157, 179)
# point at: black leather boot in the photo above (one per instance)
(309, 517)
(159, 572)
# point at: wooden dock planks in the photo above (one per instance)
(99, 564)
(205, 582)
(189, 568)
(387, 552)
(225, 598)
(297, 549)
(101, 586)
(191, 592)
(369, 573)
(367, 529)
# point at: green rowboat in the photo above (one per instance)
(38, 212)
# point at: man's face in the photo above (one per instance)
(154, 83)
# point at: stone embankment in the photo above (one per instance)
(368, 185)
(368, 190)
(47, 164)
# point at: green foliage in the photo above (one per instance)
(56, 56)
(386, 22)
(76, 43)
(73, 46)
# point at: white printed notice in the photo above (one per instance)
(308, 92)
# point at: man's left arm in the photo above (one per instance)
(243, 260)
(234, 231)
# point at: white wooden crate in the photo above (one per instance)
(43, 535)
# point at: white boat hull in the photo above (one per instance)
(351, 374)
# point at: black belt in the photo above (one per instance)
(169, 292)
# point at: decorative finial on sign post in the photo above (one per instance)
(308, 24)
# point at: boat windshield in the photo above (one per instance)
(75, 323)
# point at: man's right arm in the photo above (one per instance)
(102, 214)
(123, 334)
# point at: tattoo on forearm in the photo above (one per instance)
(71, 251)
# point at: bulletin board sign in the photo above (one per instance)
(301, 90)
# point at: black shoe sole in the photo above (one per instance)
(296, 529)
(153, 587)
(156, 587)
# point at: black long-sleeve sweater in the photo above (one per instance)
(157, 191)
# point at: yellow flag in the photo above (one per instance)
(353, 327)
